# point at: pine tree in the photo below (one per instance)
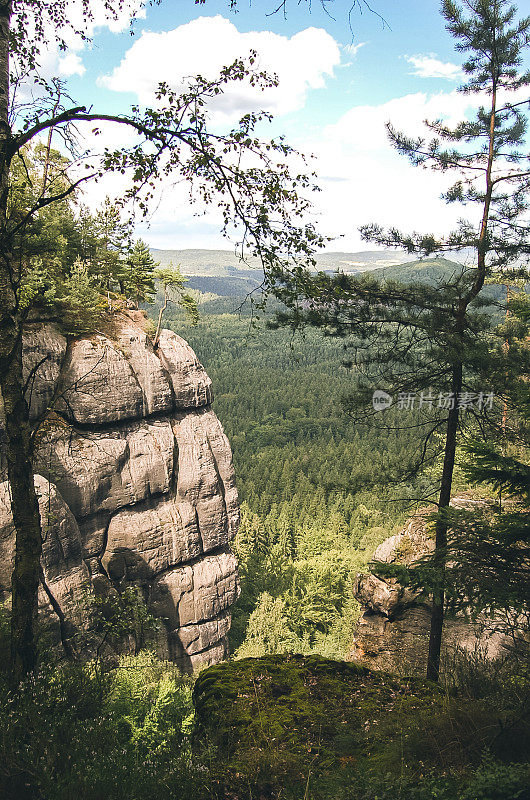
(139, 285)
(173, 286)
(113, 244)
(488, 549)
(436, 345)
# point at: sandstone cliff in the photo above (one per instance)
(393, 629)
(136, 485)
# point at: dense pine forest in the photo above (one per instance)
(319, 491)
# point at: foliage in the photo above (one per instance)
(268, 629)
(296, 586)
(71, 732)
(172, 283)
(280, 726)
(79, 304)
(77, 267)
(118, 618)
(72, 262)
(291, 726)
(112, 246)
(140, 273)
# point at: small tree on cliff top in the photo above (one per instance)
(438, 341)
(261, 199)
(173, 286)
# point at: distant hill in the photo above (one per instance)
(229, 286)
(436, 271)
(427, 270)
(220, 274)
(226, 264)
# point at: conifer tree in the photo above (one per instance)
(113, 244)
(173, 287)
(435, 345)
(489, 547)
(139, 273)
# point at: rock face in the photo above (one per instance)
(392, 633)
(136, 485)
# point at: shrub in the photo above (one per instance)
(72, 732)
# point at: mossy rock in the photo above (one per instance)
(308, 728)
(274, 720)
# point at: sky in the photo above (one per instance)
(343, 73)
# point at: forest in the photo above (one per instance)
(264, 528)
(318, 492)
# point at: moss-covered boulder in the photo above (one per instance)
(305, 727)
(286, 720)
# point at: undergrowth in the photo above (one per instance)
(75, 733)
(280, 727)
(295, 727)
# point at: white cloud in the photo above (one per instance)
(365, 180)
(351, 51)
(71, 64)
(205, 45)
(428, 66)
(362, 177)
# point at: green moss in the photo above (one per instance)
(294, 726)
(292, 711)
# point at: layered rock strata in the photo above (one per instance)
(136, 485)
(392, 633)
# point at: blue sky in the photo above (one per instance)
(379, 72)
(337, 88)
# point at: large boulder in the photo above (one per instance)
(393, 629)
(136, 483)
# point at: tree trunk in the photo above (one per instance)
(160, 315)
(438, 599)
(26, 517)
(24, 504)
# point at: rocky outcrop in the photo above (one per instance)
(392, 633)
(136, 485)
